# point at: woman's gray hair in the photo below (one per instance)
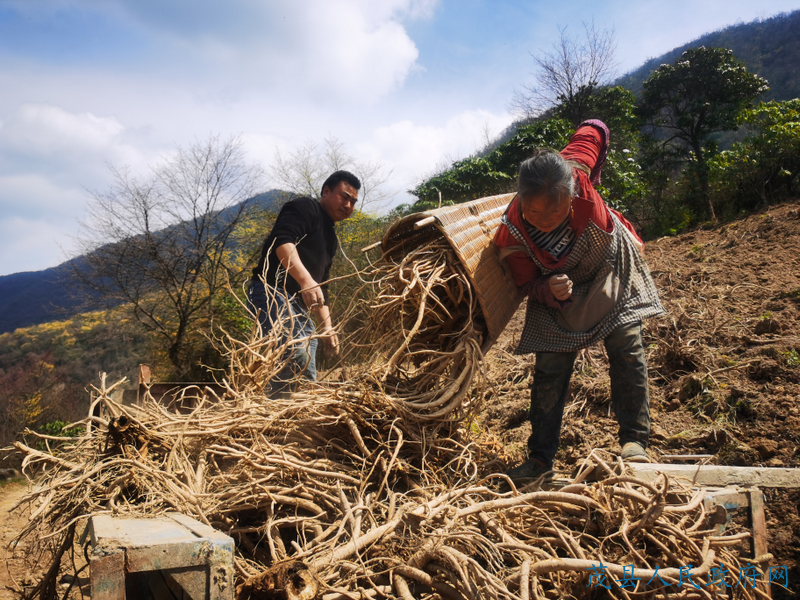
(547, 174)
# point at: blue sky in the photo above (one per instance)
(412, 84)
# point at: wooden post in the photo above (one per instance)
(758, 523)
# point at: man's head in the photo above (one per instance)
(339, 195)
(545, 189)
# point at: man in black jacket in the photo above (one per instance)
(290, 279)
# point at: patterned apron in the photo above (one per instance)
(609, 275)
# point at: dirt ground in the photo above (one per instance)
(724, 371)
(20, 568)
(724, 364)
(11, 563)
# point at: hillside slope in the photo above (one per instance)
(36, 297)
(768, 47)
(724, 363)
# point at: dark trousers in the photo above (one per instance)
(630, 397)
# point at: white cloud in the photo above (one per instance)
(343, 50)
(49, 158)
(31, 244)
(426, 145)
(353, 57)
(415, 151)
(66, 149)
(48, 129)
(34, 195)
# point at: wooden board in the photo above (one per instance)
(717, 476)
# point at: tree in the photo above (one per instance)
(157, 244)
(765, 166)
(303, 171)
(569, 75)
(495, 173)
(702, 93)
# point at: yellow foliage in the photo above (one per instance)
(29, 409)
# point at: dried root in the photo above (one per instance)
(369, 488)
(424, 334)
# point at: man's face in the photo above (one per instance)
(339, 202)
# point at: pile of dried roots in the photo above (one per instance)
(370, 488)
(422, 330)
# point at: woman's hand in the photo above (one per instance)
(561, 286)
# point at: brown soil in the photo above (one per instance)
(22, 566)
(11, 523)
(724, 364)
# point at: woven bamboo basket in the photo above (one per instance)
(469, 229)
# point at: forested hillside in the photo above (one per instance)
(769, 47)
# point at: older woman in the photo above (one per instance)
(580, 264)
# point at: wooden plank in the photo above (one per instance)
(758, 522)
(201, 529)
(107, 573)
(718, 476)
(193, 582)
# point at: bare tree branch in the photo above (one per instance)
(303, 171)
(158, 244)
(569, 73)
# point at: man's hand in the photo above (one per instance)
(561, 286)
(309, 289)
(313, 297)
(330, 343)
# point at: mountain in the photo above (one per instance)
(768, 47)
(35, 297)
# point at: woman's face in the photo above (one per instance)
(543, 213)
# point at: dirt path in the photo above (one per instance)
(10, 525)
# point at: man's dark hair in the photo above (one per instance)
(334, 178)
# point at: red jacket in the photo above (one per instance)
(584, 147)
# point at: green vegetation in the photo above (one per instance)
(664, 169)
(685, 103)
(764, 168)
(792, 358)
